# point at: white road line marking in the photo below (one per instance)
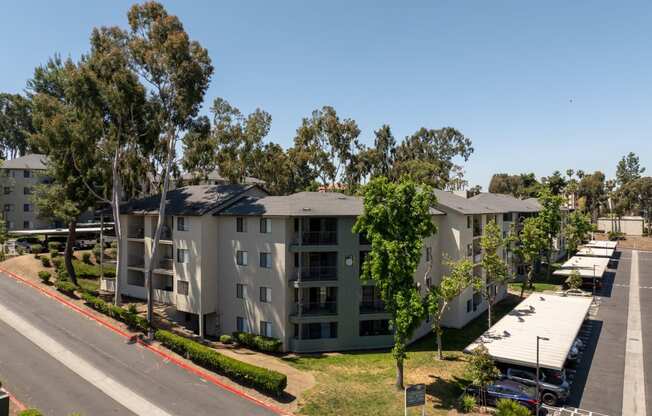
(634, 381)
(112, 388)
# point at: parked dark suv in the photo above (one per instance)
(553, 387)
(506, 389)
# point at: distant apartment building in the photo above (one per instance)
(233, 258)
(18, 177)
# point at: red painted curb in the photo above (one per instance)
(165, 355)
(15, 401)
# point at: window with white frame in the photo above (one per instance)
(27, 207)
(183, 255)
(241, 324)
(27, 225)
(27, 173)
(183, 224)
(27, 190)
(469, 221)
(266, 294)
(240, 225)
(241, 258)
(428, 253)
(266, 260)
(266, 329)
(182, 287)
(240, 291)
(265, 225)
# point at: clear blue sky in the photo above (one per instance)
(537, 86)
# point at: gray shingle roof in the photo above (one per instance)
(188, 200)
(463, 205)
(301, 204)
(508, 203)
(31, 161)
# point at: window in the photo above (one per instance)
(265, 225)
(7, 190)
(374, 328)
(27, 190)
(266, 329)
(182, 287)
(240, 225)
(363, 240)
(27, 207)
(428, 253)
(10, 225)
(241, 324)
(266, 294)
(240, 291)
(319, 330)
(241, 258)
(9, 207)
(266, 260)
(507, 217)
(26, 225)
(469, 306)
(182, 255)
(27, 173)
(182, 224)
(477, 300)
(468, 221)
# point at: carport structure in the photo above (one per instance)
(513, 339)
(588, 267)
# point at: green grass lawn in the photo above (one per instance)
(362, 382)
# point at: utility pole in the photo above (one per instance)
(537, 382)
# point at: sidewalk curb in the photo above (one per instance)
(17, 403)
(204, 375)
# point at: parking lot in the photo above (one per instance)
(598, 378)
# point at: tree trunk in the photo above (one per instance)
(440, 353)
(549, 258)
(67, 256)
(399, 374)
(489, 311)
(115, 208)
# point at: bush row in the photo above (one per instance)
(257, 342)
(129, 317)
(260, 378)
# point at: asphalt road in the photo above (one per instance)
(54, 359)
(599, 380)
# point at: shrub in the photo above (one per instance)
(54, 253)
(45, 261)
(20, 251)
(615, 235)
(132, 308)
(55, 246)
(30, 412)
(260, 378)
(86, 258)
(574, 280)
(226, 339)
(257, 342)
(57, 262)
(506, 407)
(467, 403)
(44, 276)
(36, 248)
(65, 286)
(97, 250)
(116, 312)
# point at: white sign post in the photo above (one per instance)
(415, 395)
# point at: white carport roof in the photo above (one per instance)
(596, 252)
(588, 267)
(602, 243)
(513, 339)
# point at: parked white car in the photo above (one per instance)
(574, 292)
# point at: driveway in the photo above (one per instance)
(56, 360)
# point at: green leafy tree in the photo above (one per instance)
(60, 129)
(396, 219)
(577, 230)
(524, 185)
(428, 155)
(531, 242)
(628, 169)
(481, 370)
(327, 144)
(177, 71)
(495, 268)
(591, 190)
(15, 125)
(506, 407)
(556, 183)
(574, 280)
(550, 216)
(459, 277)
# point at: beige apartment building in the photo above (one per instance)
(233, 258)
(18, 178)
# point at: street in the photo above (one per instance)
(60, 362)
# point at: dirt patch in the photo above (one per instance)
(631, 242)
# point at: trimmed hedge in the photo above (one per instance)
(86, 257)
(30, 412)
(45, 261)
(260, 378)
(226, 339)
(57, 262)
(36, 248)
(55, 245)
(116, 312)
(44, 276)
(66, 287)
(54, 254)
(257, 342)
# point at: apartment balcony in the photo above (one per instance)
(318, 273)
(164, 296)
(372, 306)
(165, 265)
(317, 238)
(315, 308)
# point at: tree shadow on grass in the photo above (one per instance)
(445, 392)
